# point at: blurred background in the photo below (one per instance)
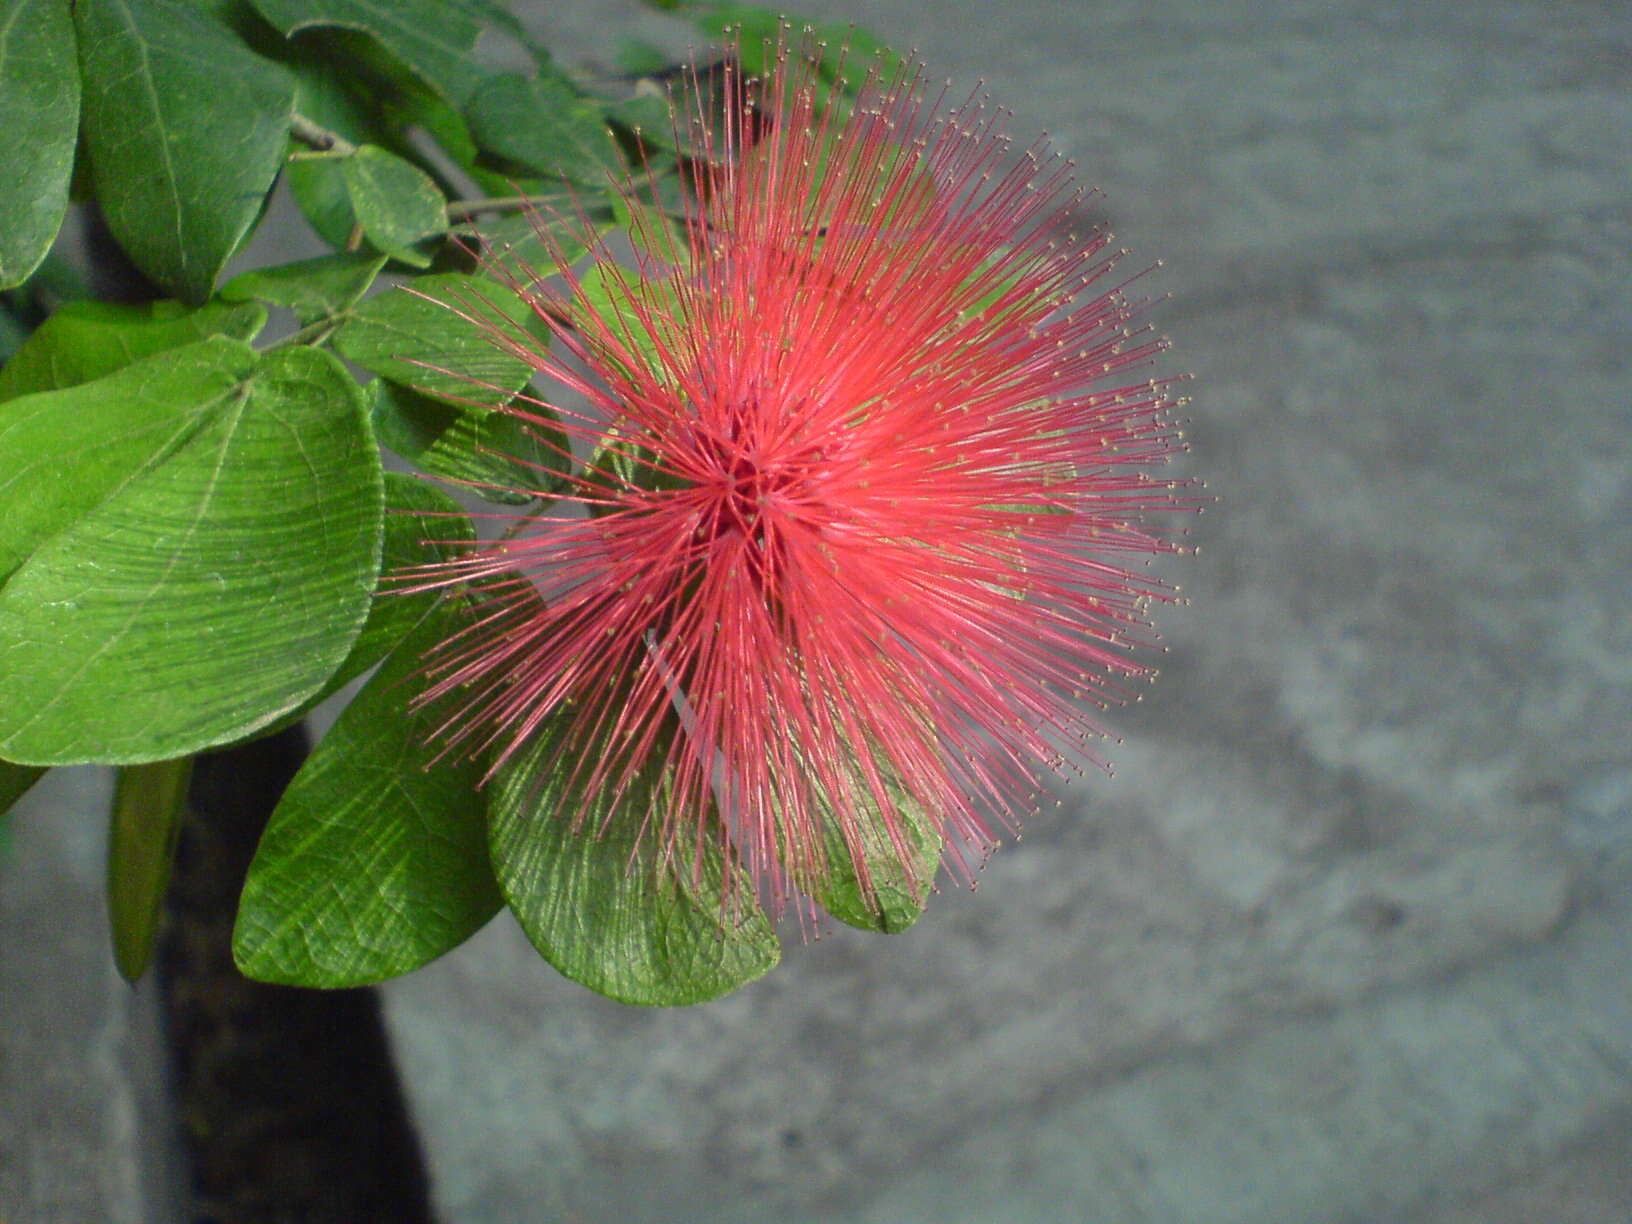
(1349, 935)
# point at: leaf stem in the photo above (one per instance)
(312, 333)
(459, 210)
(319, 137)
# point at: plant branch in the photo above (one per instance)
(319, 137)
(461, 210)
(312, 333)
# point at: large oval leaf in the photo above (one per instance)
(209, 593)
(39, 101)
(375, 860)
(600, 907)
(62, 454)
(186, 129)
(542, 124)
(422, 525)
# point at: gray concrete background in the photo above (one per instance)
(1349, 937)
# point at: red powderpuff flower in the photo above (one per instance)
(870, 462)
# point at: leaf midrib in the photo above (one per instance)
(115, 638)
(146, 77)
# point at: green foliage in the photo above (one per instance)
(543, 125)
(324, 96)
(186, 128)
(396, 839)
(15, 781)
(87, 339)
(313, 289)
(638, 58)
(841, 51)
(220, 577)
(895, 893)
(39, 96)
(620, 302)
(423, 525)
(437, 338)
(105, 433)
(530, 247)
(395, 202)
(596, 901)
(198, 543)
(436, 40)
(149, 802)
(496, 455)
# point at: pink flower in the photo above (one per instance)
(873, 443)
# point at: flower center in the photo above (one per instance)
(746, 489)
(747, 499)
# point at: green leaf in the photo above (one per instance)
(15, 781)
(601, 907)
(497, 14)
(423, 525)
(850, 52)
(149, 802)
(647, 117)
(318, 183)
(315, 289)
(106, 433)
(896, 892)
(375, 860)
(58, 279)
(85, 340)
(13, 330)
(433, 39)
(319, 188)
(25, 308)
(219, 580)
(756, 30)
(39, 105)
(543, 124)
(428, 112)
(501, 457)
(395, 202)
(421, 339)
(839, 50)
(233, 14)
(619, 298)
(519, 247)
(351, 84)
(186, 128)
(635, 57)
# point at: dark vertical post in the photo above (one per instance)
(288, 1098)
